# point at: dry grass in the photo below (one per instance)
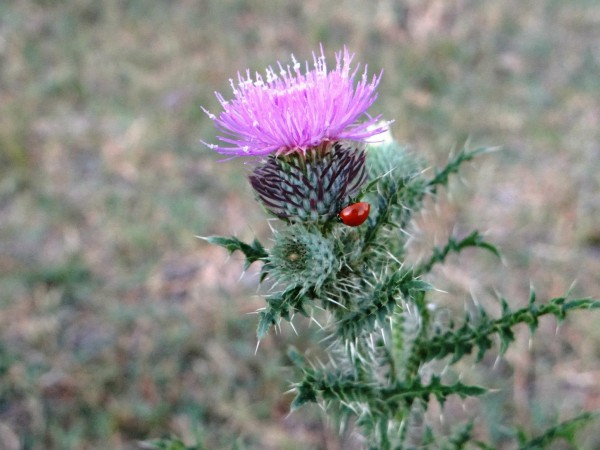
(117, 325)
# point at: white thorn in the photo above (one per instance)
(293, 328)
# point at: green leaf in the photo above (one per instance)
(565, 430)
(306, 394)
(462, 341)
(282, 305)
(409, 392)
(382, 302)
(265, 320)
(439, 254)
(442, 177)
(253, 252)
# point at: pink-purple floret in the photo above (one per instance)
(291, 111)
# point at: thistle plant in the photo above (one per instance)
(344, 194)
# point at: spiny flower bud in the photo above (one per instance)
(301, 257)
(311, 187)
(387, 157)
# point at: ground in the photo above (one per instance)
(118, 325)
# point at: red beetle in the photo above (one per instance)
(355, 214)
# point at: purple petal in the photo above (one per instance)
(290, 111)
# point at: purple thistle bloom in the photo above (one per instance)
(290, 111)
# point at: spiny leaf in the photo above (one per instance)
(582, 303)
(400, 189)
(306, 394)
(282, 305)
(565, 430)
(385, 205)
(381, 304)
(384, 401)
(371, 186)
(435, 388)
(253, 252)
(441, 177)
(439, 254)
(266, 319)
(462, 341)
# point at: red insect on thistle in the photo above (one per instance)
(355, 214)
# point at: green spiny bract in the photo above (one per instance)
(302, 257)
(391, 162)
(311, 187)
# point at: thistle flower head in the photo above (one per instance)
(302, 257)
(290, 111)
(312, 187)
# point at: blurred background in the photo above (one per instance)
(117, 325)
